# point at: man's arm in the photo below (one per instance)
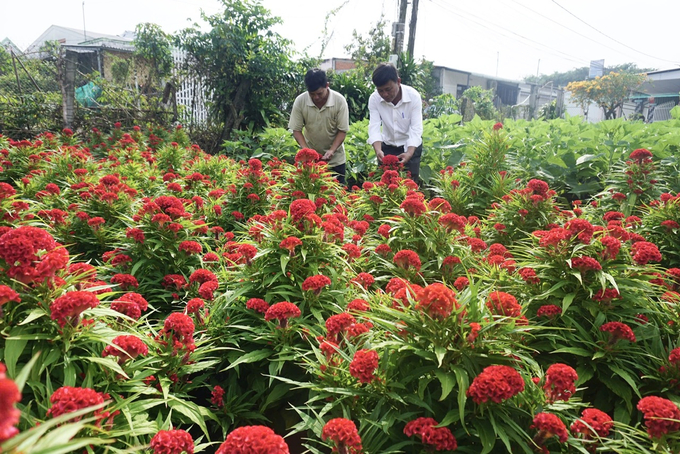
(300, 139)
(415, 133)
(374, 122)
(339, 138)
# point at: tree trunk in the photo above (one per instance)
(234, 114)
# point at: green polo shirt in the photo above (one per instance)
(321, 125)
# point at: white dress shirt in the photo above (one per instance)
(402, 125)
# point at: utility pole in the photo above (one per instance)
(399, 29)
(412, 28)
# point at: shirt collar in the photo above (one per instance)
(329, 102)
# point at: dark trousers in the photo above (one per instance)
(413, 165)
(339, 173)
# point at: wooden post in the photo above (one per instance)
(16, 73)
(412, 28)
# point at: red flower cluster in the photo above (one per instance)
(548, 426)
(618, 331)
(661, 415)
(130, 347)
(437, 300)
(344, 434)
(9, 416)
(253, 440)
(68, 399)
(7, 294)
(363, 365)
(175, 280)
(549, 311)
(315, 283)
(496, 383)
(306, 155)
(68, 307)
(181, 328)
(290, 243)
(31, 254)
(130, 304)
(413, 206)
(453, 222)
(528, 275)
(593, 423)
(217, 398)
(282, 312)
(645, 252)
(365, 280)
(584, 264)
(338, 324)
(175, 441)
(559, 382)
(539, 187)
(258, 305)
(191, 247)
(406, 259)
(503, 304)
(439, 204)
(640, 155)
(301, 208)
(125, 281)
(438, 438)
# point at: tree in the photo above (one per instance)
(561, 79)
(609, 92)
(152, 45)
(368, 51)
(246, 66)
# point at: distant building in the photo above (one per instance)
(9, 46)
(337, 64)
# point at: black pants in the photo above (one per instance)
(339, 173)
(413, 165)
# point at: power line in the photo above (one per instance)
(613, 39)
(484, 23)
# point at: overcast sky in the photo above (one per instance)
(504, 38)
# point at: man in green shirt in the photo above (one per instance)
(324, 115)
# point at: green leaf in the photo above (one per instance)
(109, 363)
(627, 377)
(284, 261)
(486, 433)
(574, 351)
(14, 347)
(190, 410)
(440, 352)
(447, 381)
(251, 357)
(567, 300)
(35, 314)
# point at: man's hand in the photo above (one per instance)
(327, 155)
(380, 155)
(405, 157)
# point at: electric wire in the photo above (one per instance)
(613, 39)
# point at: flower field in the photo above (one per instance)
(159, 299)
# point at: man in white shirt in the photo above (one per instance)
(398, 109)
(324, 115)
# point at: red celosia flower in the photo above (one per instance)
(618, 331)
(495, 383)
(32, 254)
(343, 433)
(645, 252)
(548, 426)
(195, 306)
(136, 234)
(282, 312)
(174, 280)
(68, 399)
(248, 251)
(202, 276)
(439, 204)
(315, 283)
(640, 155)
(191, 247)
(452, 221)
(476, 244)
(8, 294)
(670, 225)
(253, 440)
(358, 305)
(337, 324)
(9, 415)
(290, 244)
(437, 300)
(180, 328)
(503, 304)
(353, 251)
(538, 187)
(384, 230)
(391, 162)
(258, 305)
(497, 126)
(217, 398)
(549, 311)
(592, 424)
(300, 208)
(413, 206)
(130, 348)
(363, 365)
(131, 304)
(125, 281)
(365, 280)
(306, 155)
(68, 307)
(407, 259)
(661, 415)
(437, 438)
(174, 441)
(383, 249)
(461, 282)
(528, 275)
(559, 382)
(606, 295)
(612, 246)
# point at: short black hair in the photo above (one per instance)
(315, 79)
(384, 73)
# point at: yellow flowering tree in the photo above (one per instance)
(609, 91)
